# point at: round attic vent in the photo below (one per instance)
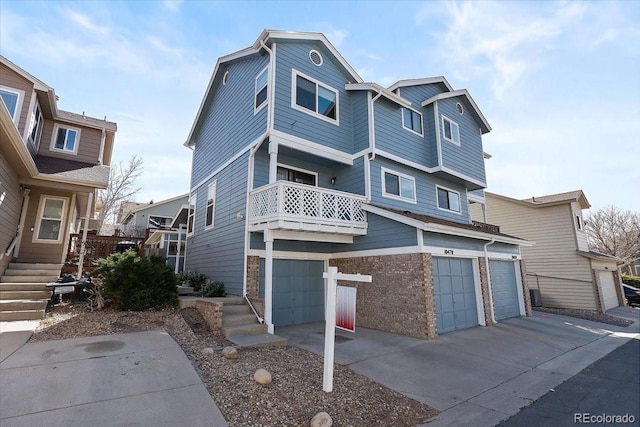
(459, 108)
(315, 57)
(225, 78)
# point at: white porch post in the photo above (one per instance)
(23, 218)
(83, 246)
(273, 162)
(268, 281)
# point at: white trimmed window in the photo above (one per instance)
(412, 120)
(65, 139)
(293, 174)
(192, 213)
(35, 126)
(399, 186)
(51, 216)
(579, 223)
(156, 221)
(448, 200)
(313, 97)
(261, 89)
(211, 206)
(450, 130)
(13, 100)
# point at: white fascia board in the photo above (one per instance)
(290, 35)
(395, 217)
(8, 127)
(405, 162)
(160, 203)
(423, 81)
(475, 198)
(311, 147)
(377, 88)
(463, 176)
(37, 83)
(456, 93)
(178, 212)
(527, 203)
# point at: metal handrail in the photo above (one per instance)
(255, 312)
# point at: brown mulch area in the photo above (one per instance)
(292, 399)
(586, 314)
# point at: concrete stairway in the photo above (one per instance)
(240, 326)
(23, 291)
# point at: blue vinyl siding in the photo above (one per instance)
(466, 158)
(381, 233)
(298, 123)
(429, 120)
(228, 122)
(350, 179)
(261, 166)
(425, 192)
(359, 100)
(420, 93)
(159, 209)
(219, 252)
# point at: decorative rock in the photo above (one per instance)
(262, 376)
(321, 419)
(230, 353)
(207, 350)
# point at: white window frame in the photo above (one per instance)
(384, 171)
(579, 224)
(16, 113)
(453, 123)
(40, 125)
(294, 75)
(191, 215)
(257, 90)
(157, 216)
(448, 190)
(54, 137)
(39, 218)
(410, 129)
(315, 174)
(211, 203)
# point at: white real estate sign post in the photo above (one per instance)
(332, 277)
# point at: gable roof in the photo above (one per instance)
(462, 92)
(142, 206)
(420, 82)
(549, 200)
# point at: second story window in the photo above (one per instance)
(35, 126)
(261, 89)
(412, 120)
(450, 130)
(192, 214)
(315, 97)
(65, 139)
(211, 205)
(398, 186)
(13, 100)
(448, 200)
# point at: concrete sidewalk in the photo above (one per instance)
(141, 378)
(478, 376)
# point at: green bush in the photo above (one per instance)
(193, 279)
(631, 280)
(137, 283)
(212, 289)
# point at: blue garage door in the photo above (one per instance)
(298, 291)
(505, 289)
(456, 306)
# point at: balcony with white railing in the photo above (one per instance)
(286, 205)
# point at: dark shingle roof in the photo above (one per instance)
(70, 169)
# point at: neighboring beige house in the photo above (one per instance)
(52, 163)
(560, 264)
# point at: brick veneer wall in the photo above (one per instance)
(525, 288)
(484, 285)
(400, 299)
(212, 313)
(253, 283)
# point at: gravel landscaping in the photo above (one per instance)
(292, 399)
(586, 314)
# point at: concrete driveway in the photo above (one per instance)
(478, 376)
(134, 379)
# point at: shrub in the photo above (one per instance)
(631, 280)
(193, 279)
(137, 283)
(212, 289)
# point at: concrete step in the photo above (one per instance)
(23, 287)
(238, 319)
(21, 295)
(258, 340)
(22, 272)
(34, 266)
(236, 309)
(21, 305)
(10, 316)
(246, 329)
(28, 279)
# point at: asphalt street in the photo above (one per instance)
(605, 393)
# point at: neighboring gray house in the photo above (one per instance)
(171, 243)
(140, 219)
(560, 264)
(299, 164)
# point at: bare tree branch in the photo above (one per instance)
(122, 186)
(615, 232)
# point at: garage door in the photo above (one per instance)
(608, 286)
(504, 289)
(298, 291)
(456, 306)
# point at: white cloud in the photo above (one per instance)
(85, 22)
(172, 5)
(335, 35)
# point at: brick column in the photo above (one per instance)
(253, 276)
(484, 285)
(525, 288)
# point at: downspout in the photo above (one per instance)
(83, 246)
(372, 146)
(102, 142)
(486, 263)
(272, 78)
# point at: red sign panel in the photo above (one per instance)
(346, 308)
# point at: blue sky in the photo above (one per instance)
(559, 82)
